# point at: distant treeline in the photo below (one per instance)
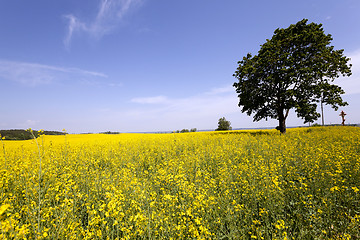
(333, 125)
(20, 134)
(186, 130)
(109, 132)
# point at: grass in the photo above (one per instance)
(242, 185)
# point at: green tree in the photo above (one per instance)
(223, 125)
(293, 70)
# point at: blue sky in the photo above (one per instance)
(149, 65)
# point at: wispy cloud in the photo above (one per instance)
(351, 85)
(150, 100)
(110, 13)
(115, 84)
(25, 124)
(33, 74)
(221, 90)
(31, 123)
(191, 111)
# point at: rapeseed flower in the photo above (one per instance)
(205, 185)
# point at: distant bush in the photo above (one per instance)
(109, 132)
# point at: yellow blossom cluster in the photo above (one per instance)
(203, 185)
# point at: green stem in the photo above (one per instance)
(39, 215)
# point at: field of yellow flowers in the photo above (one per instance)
(204, 185)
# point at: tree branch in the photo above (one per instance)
(287, 113)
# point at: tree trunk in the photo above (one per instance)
(282, 126)
(322, 113)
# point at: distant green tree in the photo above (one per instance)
(223, 125)
(20, 134)
(293, 70)
(184, 130)
(193, 130)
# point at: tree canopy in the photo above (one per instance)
(223, 125)
(295, 69)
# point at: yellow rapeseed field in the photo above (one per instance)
(204, 185)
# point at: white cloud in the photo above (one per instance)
(25, 73)
(115, 84)
(109, 14)
(351, 85)
(150, 100)
(74, 26)
(33, 74)
(220, 90)
(29, 124)
(201, 111)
